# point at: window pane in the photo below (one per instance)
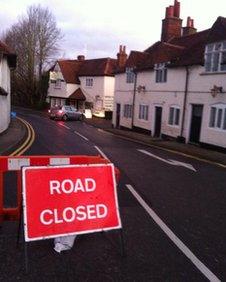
(208, 62)
(171, 111)
(177, 117)
(224, 45)
(224, 122)
(209, 47)
(219, 118)
(212, 117)
(217, 46)
(223, 61)
(216, 57)
(165, 75)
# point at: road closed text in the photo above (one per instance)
(70, 214)
(71, 199)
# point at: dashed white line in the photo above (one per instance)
(202, 268)
(61, 124)
(101, 152)
(81, 135)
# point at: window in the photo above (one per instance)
(89, 82)
(130, 75)
(127, 111)
(215, 57)
(58, 83)
(174, 116)
(218, 116)
(143, 112)
(160, 72)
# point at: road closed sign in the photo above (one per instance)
(64, 200)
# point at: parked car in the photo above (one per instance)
(65, 113)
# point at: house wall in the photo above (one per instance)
(164, 95)
(200, 86)
(170, 94)
(109, 88)
(123, 95)
(4, 100)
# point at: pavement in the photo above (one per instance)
(15, 135)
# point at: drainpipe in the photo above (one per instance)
(134, 95)
(181, 138)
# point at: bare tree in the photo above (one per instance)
(34, 38)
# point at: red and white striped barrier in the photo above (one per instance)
(8, 163)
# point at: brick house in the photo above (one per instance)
(176, 88)
(7, 62)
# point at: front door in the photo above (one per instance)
(196, 123)
(158, 121)
(118, 110)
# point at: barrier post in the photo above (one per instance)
(1, 196)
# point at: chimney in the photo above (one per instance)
(189, 29)
(121, 56)
(172, 24)
(81, 58)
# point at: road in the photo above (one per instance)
(172, 210)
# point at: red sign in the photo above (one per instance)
(63, 200)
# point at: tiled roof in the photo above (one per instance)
(78, 95)
(10, 55)
(180, 51)
(69, 69)
(72, 69)
(97, 67)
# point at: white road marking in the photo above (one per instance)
(61, 124)
(102, 153)
(81, 135)
(173, 237)
(171, 162)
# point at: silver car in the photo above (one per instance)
(65, 113)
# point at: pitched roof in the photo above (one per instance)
(69, 69)
(179, 51)
(78, 95)
(11, 57)
(73, 69)
(97, 67)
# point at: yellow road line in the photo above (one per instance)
(28, 142)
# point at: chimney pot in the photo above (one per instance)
(81, 57)
(122, 56)
(176, 9)
(171, 11)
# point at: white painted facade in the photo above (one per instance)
(100, 94)
(171, 94)
(5, 106)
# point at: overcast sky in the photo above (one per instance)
(96, 28)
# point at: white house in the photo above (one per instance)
(177, 87)
(85, 83)
(7, 62)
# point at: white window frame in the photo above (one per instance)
(215, 57)
(130, 75)
(160, 73)
(143, 112)
(57, 84)
(127, 111)
(174, 120)
(89, 82)
(217, 119)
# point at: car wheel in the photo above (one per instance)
(64, 117)
(81, 118)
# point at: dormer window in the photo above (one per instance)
(130, 75)
(215, 57)
(160, 73)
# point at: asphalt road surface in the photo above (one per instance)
(172, 209)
